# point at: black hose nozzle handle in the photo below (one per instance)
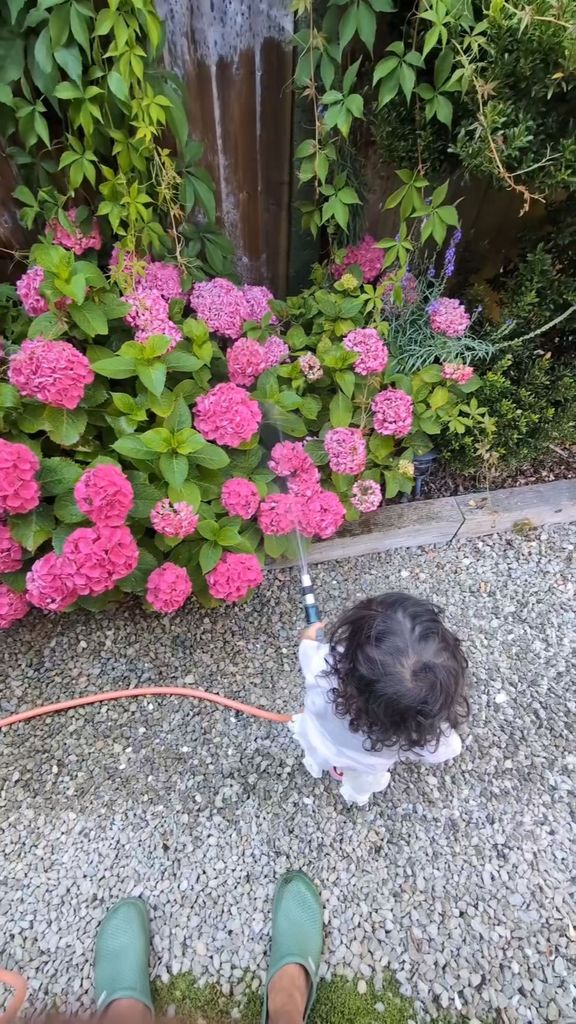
(310, 607)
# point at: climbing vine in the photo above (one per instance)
(90, 118)
(356, 56)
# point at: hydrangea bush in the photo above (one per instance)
(163, 439)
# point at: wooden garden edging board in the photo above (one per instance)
(442, 520)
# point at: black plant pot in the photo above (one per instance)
(422, 468)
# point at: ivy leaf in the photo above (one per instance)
(174, 468)
(58, 475)
(15, 6)
(79, 26)
(43, 51)
(69, 58)
(32, 529)
(65, 426)
(118, 86)
(341, 410)
(366, 20)
(210, 554)
(348, 26)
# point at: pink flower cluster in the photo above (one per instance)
(321, 515)
(99, 556)
(150, 314)
(289, 458)
(164, 278)
(28, 290)
(311, 366)
(365, 255)
(393, 412)
(346, 450)
(13, 606)
(366, 496)
(227, 415)
(168, 587)
(104, 495)
(19, 489)
(449, 317)
(77, 241)
(277, 514)
(53, 372)
(275, 351)
(257, 299)
(11, 553)
(225, 307)
(50, 583)
(240, 497)
(174, 520)
(127, 261)
(457, 372)
(247, 358)
(372, 352)
(234, 576)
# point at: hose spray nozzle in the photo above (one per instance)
(310, 607)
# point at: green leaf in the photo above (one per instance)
(153, 376)
(117, 367)
(65, 426)
(182, 362)
(430, 374)
(174, 468)
(180, 418)
(9, 396)
(366, 21)
(346, 380)
(90, 272)
(79, 26)
(228, 537)
(286, 422)
(60, 534)
(32, 529)
(439, 397)
(208, 529)
(70, 59)
(188, 492)
(146, 494)
(66, 509)
(380, 447)
(31, 418)
(187, 441)
(156, 345)
(317, 452)
(58, 475)
(275, 547)
(43, 50)
(90, 319)
(119, 86)
(348, 26)
(47, 325)
(211, 456)
(158, 440)
(341, 410)
(15, 6)
(210, 554)
(135, 583)
(132, 446)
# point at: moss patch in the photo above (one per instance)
(338, 1002)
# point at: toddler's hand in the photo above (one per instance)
(311, 632)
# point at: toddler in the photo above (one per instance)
(389, 686)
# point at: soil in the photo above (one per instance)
(558, 464)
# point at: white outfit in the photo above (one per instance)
(328, 742)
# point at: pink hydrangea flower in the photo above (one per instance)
(19, 489)
(366, 495)
(222, 306)
(393, 412)
(288, 457)
(257, 300)
(240, 497)
(104, 495)
(277, 514)
(50, 583)
(174, 520)
(275, 352)
(364, 255)
(305, 483)
(321, 515)
(28, 290)
(408, 284)
(53, 372)
(164, 278)
(77, 241)
(372, 352)
(457, 372)
(311, 366)
(168, 587)
(150, 314)
(11, 554)
(449, 317)
(246, 361)
(100, 556)
(227, 415)
(234, 576)
(13, 606)
(346, 449)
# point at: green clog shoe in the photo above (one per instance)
(121, 959)
(297, 932)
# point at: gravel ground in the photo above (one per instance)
(457, 878)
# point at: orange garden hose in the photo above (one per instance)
(10, 978)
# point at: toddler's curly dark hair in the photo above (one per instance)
(400, 673)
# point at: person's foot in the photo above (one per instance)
(288, 995)
(121, 971)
